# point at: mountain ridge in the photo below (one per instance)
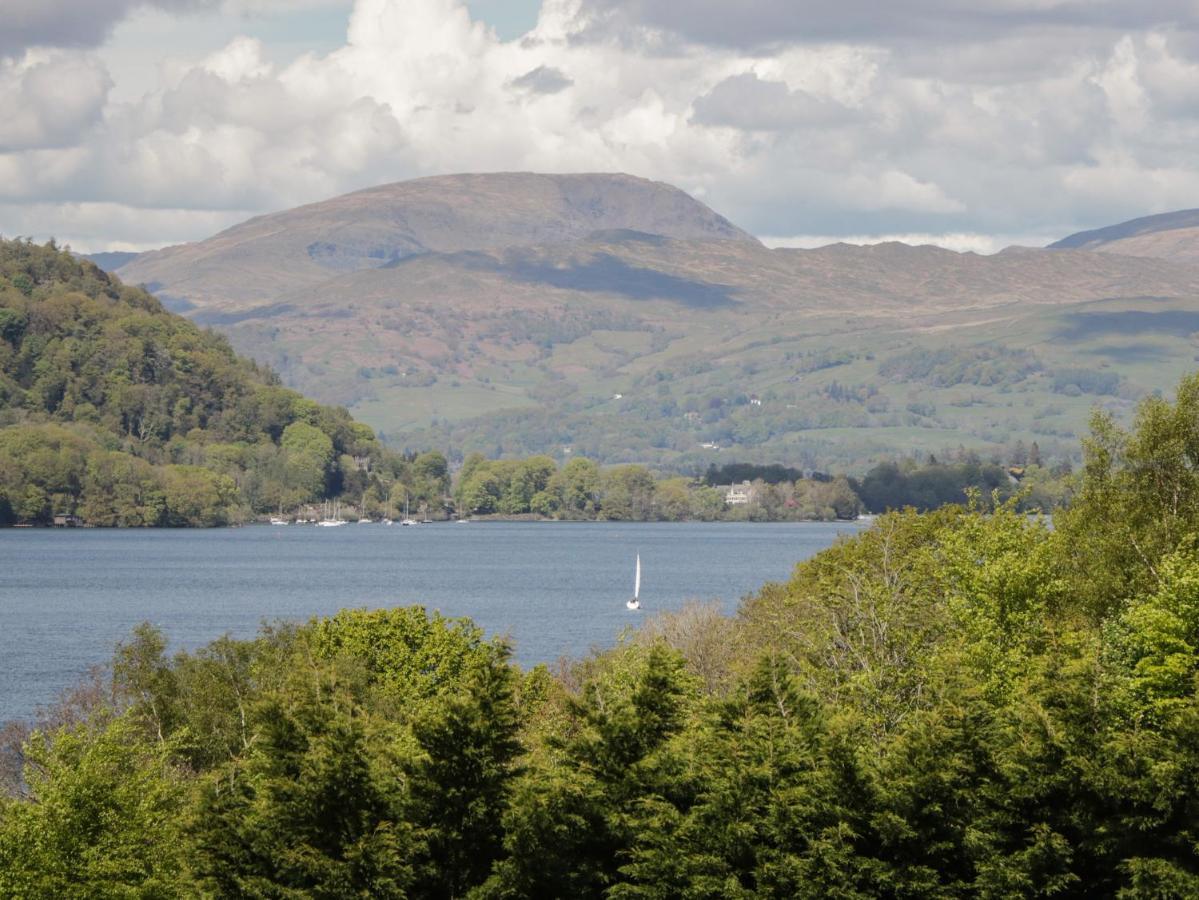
(1171, 235)
(1182, 218)
(625, 343)
(451, 213)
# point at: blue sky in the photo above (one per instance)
(510, 18)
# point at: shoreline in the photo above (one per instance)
(475, 520)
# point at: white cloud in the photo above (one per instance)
(47, 99)
(70, 23)
(894, 189)
(1005, 132)
(750, 103)
(94, 224)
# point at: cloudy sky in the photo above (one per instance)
(129, 124)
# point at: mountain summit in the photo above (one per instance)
(1172, 235)
(270, 255)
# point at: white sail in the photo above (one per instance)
(637, 580)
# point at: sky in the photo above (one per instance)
(973, 124)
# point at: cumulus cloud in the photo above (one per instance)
(834, 128)
(750, 103)
(69, 23)
(49, 99)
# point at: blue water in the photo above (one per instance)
(68, 596)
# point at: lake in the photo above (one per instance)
(67, 596)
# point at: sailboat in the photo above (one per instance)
(408, 520)
(635, 603)
(334, 520)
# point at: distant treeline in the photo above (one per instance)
(733, 473)
(960, 704)
(581, 489)
(929, 485)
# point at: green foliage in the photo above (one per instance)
(736, 822)
(102, 817)
(947, 367)
(114, 410)
(313, 808)
(582, 490)
(404, 655)
(573, 818)
(460, 782)
(1154, 642)
(893, 486)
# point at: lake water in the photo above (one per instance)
(67, 596)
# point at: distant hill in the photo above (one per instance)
(1173, 235)
(270, 255)
(112, 260)
(619, 318)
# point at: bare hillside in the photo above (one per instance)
(274, 254)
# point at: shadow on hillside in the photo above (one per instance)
(269, 311)
(1129, 354)
(605, 273)
(1083, 325)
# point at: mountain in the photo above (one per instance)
(269, 255)
(111, 260)
(1173, 235)
(617, 317)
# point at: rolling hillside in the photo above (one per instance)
(1173, 235)
(612, 316)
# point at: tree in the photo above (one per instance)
(308, 454)
(628, 493)
(569, 826)
(460, 783)
(102, 819)
(577, 486)
(1139, 497)
(196, 495)
(314, 808)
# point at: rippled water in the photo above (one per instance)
(67, 596)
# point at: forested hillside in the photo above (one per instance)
(117, 412)
(958, 704)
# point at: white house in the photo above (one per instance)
(738, 494)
